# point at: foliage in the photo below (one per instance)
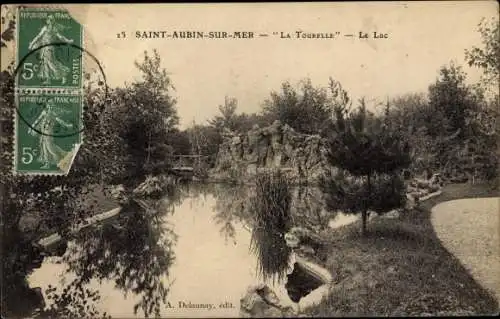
(272, 200)
(54, 197)
(271, 208)
(413, 117)
(453, 131)
(350, 194)
(272, 254)
(179, 141)
(74, 301)
(306, 109)
(135, 252)
(370, 153)
(233, 121)
(204, 140)
(487, 57)
(450, 99)
(110, 139)
(148, 114)
(227, 116)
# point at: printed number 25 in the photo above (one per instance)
(27, 157)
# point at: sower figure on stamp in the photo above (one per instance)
(50, 152)
(50, 68)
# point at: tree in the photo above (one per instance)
(460, 124)
(53, 199)
(227, 116)
(306, 109)
(483, 121)
(487, 57)
(147, 111)
(451, 99)
(135, 252)
(370, 155)
(179, 141)
(205, 141)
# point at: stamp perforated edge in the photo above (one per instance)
(15, 116)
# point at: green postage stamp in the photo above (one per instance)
(49, 91)
(47, 132)
(47, 49)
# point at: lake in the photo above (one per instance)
(192, 254)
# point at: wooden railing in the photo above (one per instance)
(187, 162)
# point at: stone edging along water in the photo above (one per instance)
(319, 273)
(55, 238)
(324, 275)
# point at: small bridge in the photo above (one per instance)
(186, 163)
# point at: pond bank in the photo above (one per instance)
(401, 268)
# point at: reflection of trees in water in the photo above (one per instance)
(19, 300)
(19, 258)
(225, 218)
(50, 210)
(231, 207)
(194, 193)
(135, 251)
(73, 301)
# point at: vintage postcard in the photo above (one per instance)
(249, 159)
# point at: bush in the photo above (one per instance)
(350, 194)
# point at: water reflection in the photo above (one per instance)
(267, 241)
(74, 300)
(136, 251)
(19, 258)
(198, 244)
(272, 253)
(231, 206)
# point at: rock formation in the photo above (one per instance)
(276, 146)
(419, 190)
(260, 302)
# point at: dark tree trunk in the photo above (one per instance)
(364, 218)
(367, 200)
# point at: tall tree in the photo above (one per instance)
(487, 57)
(148, 113)
(370, 155)
(205, 141)
(450, 99)
(306, 109)
(483, 121)
(52, 200)
(227, 116)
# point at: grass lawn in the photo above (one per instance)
(401, 268)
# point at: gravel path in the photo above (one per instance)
(469, 228)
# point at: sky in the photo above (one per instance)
(422, 37)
